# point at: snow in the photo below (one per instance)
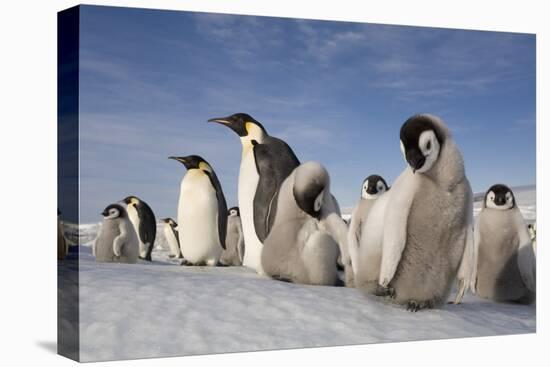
(163, 309)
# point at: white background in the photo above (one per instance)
(28, 180)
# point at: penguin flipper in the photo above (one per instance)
(240, 244)
(222, 207)
(275, 161)
(395, 225)
(147, 232)
(468, 265)
(118, 242)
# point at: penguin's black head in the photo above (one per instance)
(193, 162)
(241, 123)
(373, 186)
(113, 211)
(499, 197)
(421, 141)
(310, 181)
(234, 212)
(169, 221)
(131, 200)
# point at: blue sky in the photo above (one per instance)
(337, 92)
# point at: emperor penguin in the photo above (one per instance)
(373, 187)
(506, 262)
(265, 162)
(416, 235)
(304, 242)
(145, 224)
(234, 241)
(170, 228)
(117, 240)
(202, 213)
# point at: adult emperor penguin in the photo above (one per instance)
(234, 241)
(304, 242)
(145, 224)
(265, 162)
(425, 221)
(202, 213)
(117, 240)
(506, 263)
(170, 228)
(373, 187)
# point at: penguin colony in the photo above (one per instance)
(406, 244)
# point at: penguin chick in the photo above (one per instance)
(302, 246)
(117, 240)
(233, 254)
(426, 220)
(506, 263)
(373, 187)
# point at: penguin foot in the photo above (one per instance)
(340, 283)
(186, 263)
(384, 292)
(415, 306)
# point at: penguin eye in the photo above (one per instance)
(429, 145)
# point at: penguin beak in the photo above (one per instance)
(179, 159)
(104, 213)
(221, 120)
(416, 161)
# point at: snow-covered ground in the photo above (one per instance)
(163, 309)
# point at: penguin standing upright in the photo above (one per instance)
(234, 240)
(117, 240)
(202, 213)
(305, 240)
(506, 263)
(426, 220)
(373, 187)
(265, 163)
(145, 224)
(172, 237)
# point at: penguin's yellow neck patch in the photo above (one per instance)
(254, 132)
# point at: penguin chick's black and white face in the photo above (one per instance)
(243, 124)
(113, 211)
(193, 162)
(499, 197)
(234, 212)
(310, 182)
(373, 186)
(421, 143)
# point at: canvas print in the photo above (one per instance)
(233, 183)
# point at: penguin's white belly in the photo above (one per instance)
(172, 240)
(198, 218)
(248, 181)
(134, 218)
